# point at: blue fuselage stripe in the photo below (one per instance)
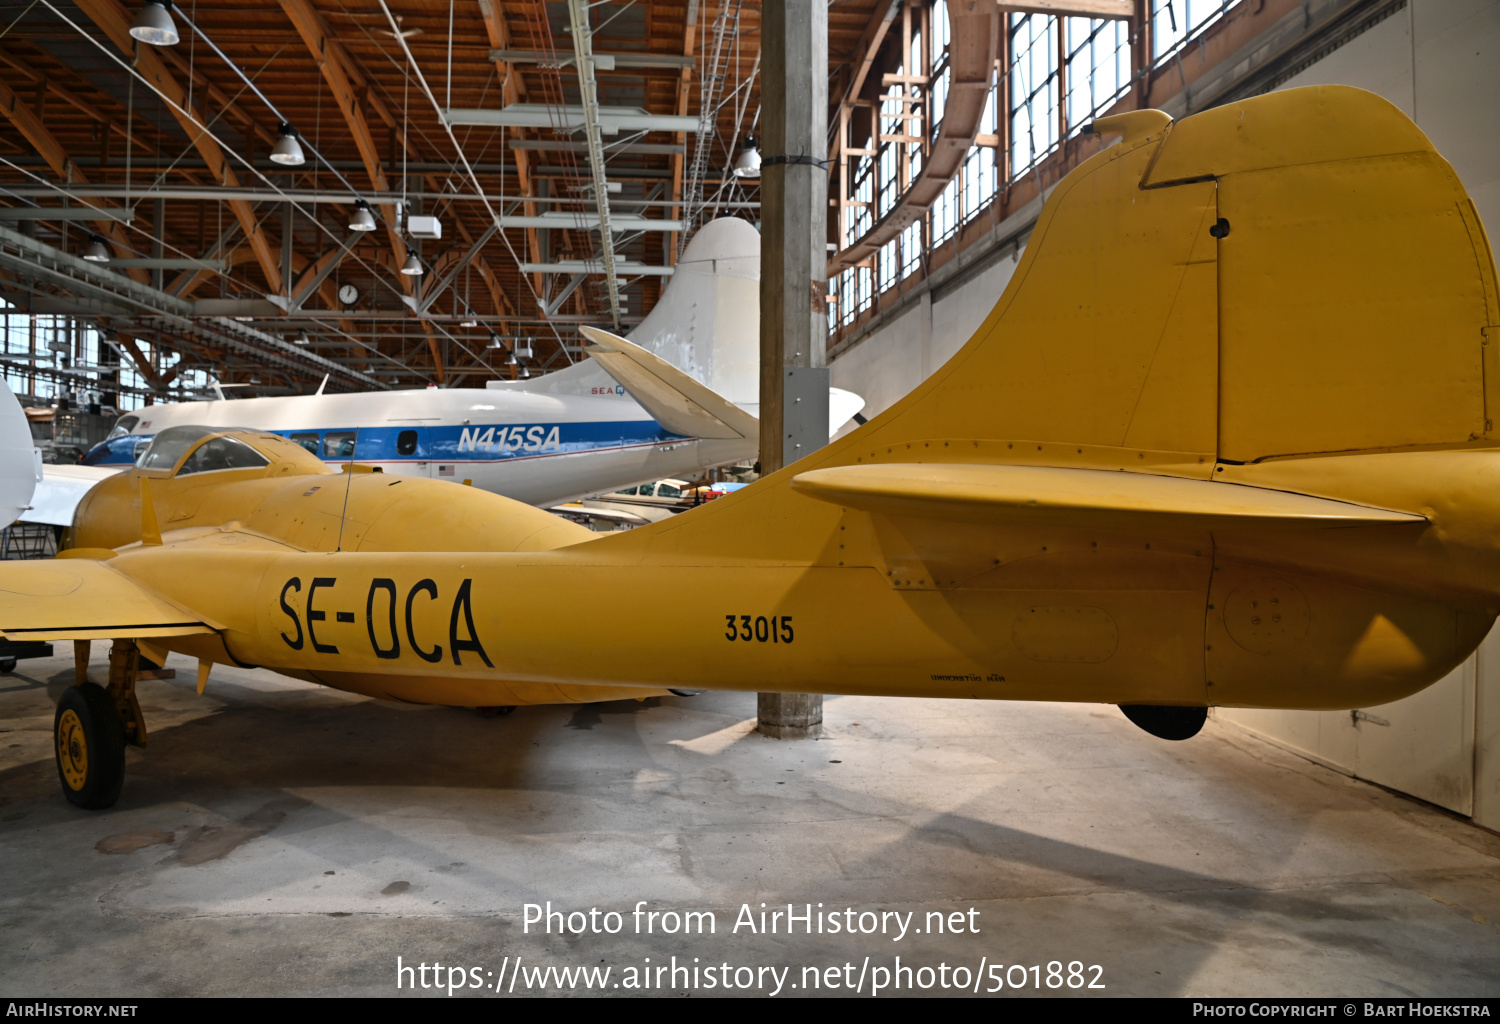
(441, 443)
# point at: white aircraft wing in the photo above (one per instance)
(60, 490)
(675, 400)
(609, 513)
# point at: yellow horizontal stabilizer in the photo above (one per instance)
(987, 493)
(78, 599)
(675, 400)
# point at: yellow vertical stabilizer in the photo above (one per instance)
(1297, 273)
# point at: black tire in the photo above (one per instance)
(89, 743)
(7, 665)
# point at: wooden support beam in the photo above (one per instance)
(45, 143)
(684, 81)
(314, 274)
(869, 46)
(137, 357)
(513, 90)
(1122, 10)
(115, 21)
(348, 85)
(249, 123)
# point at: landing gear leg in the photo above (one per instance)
(124, 670)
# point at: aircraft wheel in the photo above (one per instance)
(90, 744)
(7, 665)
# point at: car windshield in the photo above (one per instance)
(223, 453)
(171, 444)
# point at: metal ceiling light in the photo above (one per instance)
(413, 266)
(510, 360)
(469, 323)
(495, 341)
(302, 338)
(154, 24)
(97, 251)
(363, 219)
(287, 151)
(525, 371)
(747, 164)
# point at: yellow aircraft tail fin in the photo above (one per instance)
(1292, 274)
(1295, 273)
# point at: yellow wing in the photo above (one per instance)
(79, 599)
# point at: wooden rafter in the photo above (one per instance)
(115, 21)
(513, 90)
(1118, 9)
(35, 132)
(337, 70)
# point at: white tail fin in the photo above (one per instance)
(706, 323)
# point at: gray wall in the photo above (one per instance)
(905, 351)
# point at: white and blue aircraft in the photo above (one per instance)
(691, 403)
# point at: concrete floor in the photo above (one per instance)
(280, 838)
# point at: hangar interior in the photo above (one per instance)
(151, 251)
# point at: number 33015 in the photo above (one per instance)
(765, 629)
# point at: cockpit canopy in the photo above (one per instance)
(211, 450)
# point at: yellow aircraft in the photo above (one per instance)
(1228, 438)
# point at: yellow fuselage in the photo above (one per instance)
(1290, 293)
(851, 602)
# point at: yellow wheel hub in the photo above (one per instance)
(72, 750)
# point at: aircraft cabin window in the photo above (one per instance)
(223, 453)
(124, 426)
(406, 442)
(338, 444)
(668, 491)
(648, 489)
(311, 442)
(140, 447)
(628, 490)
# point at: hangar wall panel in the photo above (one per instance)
(906, 350)
(1439, 61)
